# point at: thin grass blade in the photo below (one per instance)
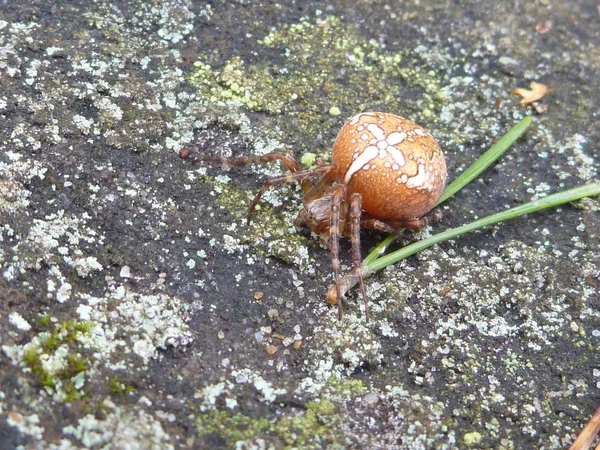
(550, 201)
(486, 160)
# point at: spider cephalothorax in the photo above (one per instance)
(386, 173)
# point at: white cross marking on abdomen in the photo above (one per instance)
(367, 155)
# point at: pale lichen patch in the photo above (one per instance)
(18, 321)
(13, 196)
(29, 425)
(145, 323)
(586, 166)
(341, 348)
(123, 427)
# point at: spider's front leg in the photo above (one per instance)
(355, 213)
(301, 177)
(338, 202)
(297, 175)
(287, 160)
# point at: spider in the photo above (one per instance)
(386, 173)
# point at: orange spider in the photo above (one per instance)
(386, 173)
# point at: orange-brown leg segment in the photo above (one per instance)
(337, 205)
(420, 222)
(355, 212)
(288, 161)
(299, 177)
(396, 226)
(375, 224)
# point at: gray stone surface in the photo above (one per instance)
(139, 311)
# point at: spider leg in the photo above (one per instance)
(421, 222)
(287, 160)
(334, 240)
(386, 227)
(379, 225)
(396, 226)
(300, 176)
(297, 175)
(321, 187)
(355, 212)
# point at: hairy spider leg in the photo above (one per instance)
(376, 224)
(334, 238)
(300, 177)
(355, 213)
(321, 187)
(396, 226)
(288, 161)
(296, 175)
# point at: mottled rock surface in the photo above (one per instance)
(139, 311)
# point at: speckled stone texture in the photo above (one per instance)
(138, 310)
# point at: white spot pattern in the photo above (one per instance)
(385, 144)
(379, 145)
(360, 161)
(395, 138)
(376, 131)
(419, 179)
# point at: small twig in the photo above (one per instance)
(588, 434)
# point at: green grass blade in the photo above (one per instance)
(486, 160)
(379, 249)
(512, 213)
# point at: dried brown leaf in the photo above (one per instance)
(537, 91)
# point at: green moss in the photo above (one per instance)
(52, 342)
(44, 378)
(334, 111)
(349, 386)
(472, 438)
(317, 427)
(83, 326)
(236, 427)
(118, 387)
(75, 365)
(232, 198)
(344, 74)
(71, 393)
(308, 159)
(53, 358)
(72, 327)
(44, 320)
(31, 357)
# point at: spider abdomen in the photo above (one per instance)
(395, 164)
